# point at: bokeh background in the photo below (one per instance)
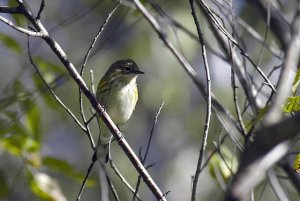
(41, 142)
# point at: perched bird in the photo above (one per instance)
(118, 93)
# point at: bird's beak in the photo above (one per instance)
(137, 72)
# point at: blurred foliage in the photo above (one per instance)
(224, 163)
(10, 43)
(46, 155)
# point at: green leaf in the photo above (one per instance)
(297, 163)
(32, 117)
(19, 144)
(17, 139)
(10, 43)
(226, 164)
(65, 168)
(292, 104)
(45, 187)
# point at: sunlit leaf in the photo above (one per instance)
(45, 187)
(33, 159)
(292, 104)
(10, 43)
(226, 164)
(18, 144)
(17, 139)
(65, 168)
(297, 163)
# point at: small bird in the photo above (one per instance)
(118, 93)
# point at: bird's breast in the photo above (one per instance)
(124, 102)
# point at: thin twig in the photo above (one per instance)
(97, 36)
(172, 22)
(85, 180)
(208, 99)
(109, 182)
(236, 104)
(112, 165)
(51, 91)
(42, 6)
(243, 52)
(20, 29)
(147, 149)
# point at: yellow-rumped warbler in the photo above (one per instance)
(118, 94)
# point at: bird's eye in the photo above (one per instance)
(127, 69)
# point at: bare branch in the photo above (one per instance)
(97, 36)
(112, 165)
(20, 29)
(208, 99)
(42, 6)
(147, 149)
(85, 180)
(10, 10)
